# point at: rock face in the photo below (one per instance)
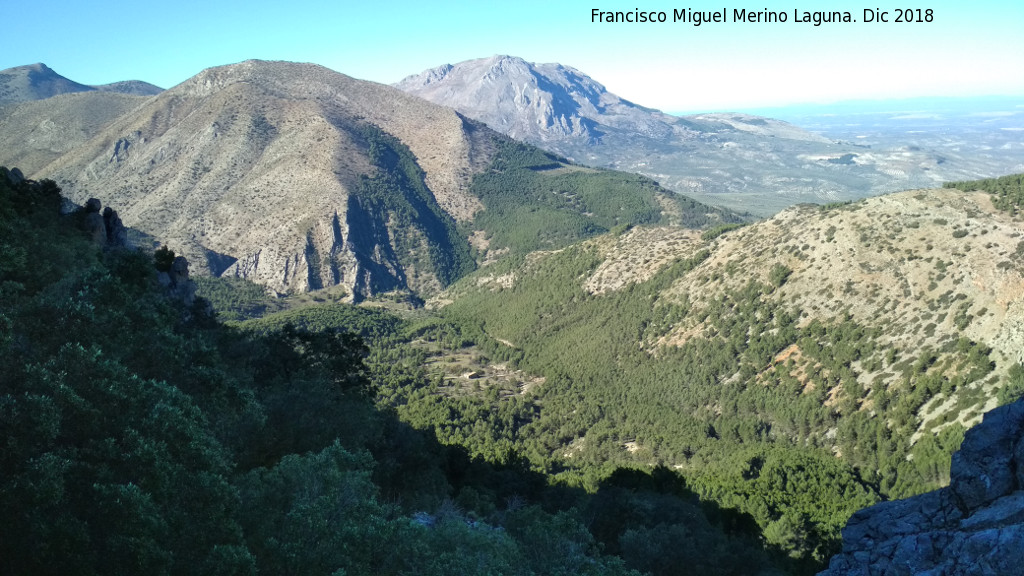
(536, 102)
(177, 281)
(104, 228)
(973, 526)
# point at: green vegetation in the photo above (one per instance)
(536, 201)
(235, 298)
(526, 429)
(1007, 191)
(779, 274)
(748, 412)
(396, 204)
(143, 436)
(715, 232)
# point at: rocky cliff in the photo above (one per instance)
(973, 526)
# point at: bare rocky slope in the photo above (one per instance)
(250, 169)
(737, 160)
(34, 133)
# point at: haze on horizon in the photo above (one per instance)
(966, 51)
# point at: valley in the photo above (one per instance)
(418, 333)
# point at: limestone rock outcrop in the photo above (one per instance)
(177, 281)
(104, 227)
(973, 526)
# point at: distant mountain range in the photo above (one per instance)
(37, 81)
(737, 160)
(301, 178)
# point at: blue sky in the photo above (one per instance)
(970, 48)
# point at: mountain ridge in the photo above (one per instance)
(38, 81)
(300, 178)
(731, 159)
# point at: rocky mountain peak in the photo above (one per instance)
(533, 102)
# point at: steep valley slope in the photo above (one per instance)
(916, 271)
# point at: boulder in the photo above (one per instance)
(117, 234)
(177, 282)
(93, 222)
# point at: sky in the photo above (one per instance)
(968, 49)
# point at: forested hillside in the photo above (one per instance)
(1007, 191)
(143, 436)
(796, 369)
(792, 371)
(639, 402)
(534, 200)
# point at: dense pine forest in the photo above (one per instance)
(241, 433)
(142, 435)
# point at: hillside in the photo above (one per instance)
(745, 162)
(133, 87)
(38, 82)
(142, 434)
(792, 371)
(300, 178)
(35, 82)
(915, 271)
(854, 342)
(36, 132)
(972, 526)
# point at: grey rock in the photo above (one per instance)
(95, 228)
(117, 234)
(180, 285)
(1006, 510)
(104, 228)
(975, 526)
(982, 471)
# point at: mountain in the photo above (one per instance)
(35, 82)
(301, 178)
(796, 369)
(38, 81)
(737, 160)
(135, 87)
